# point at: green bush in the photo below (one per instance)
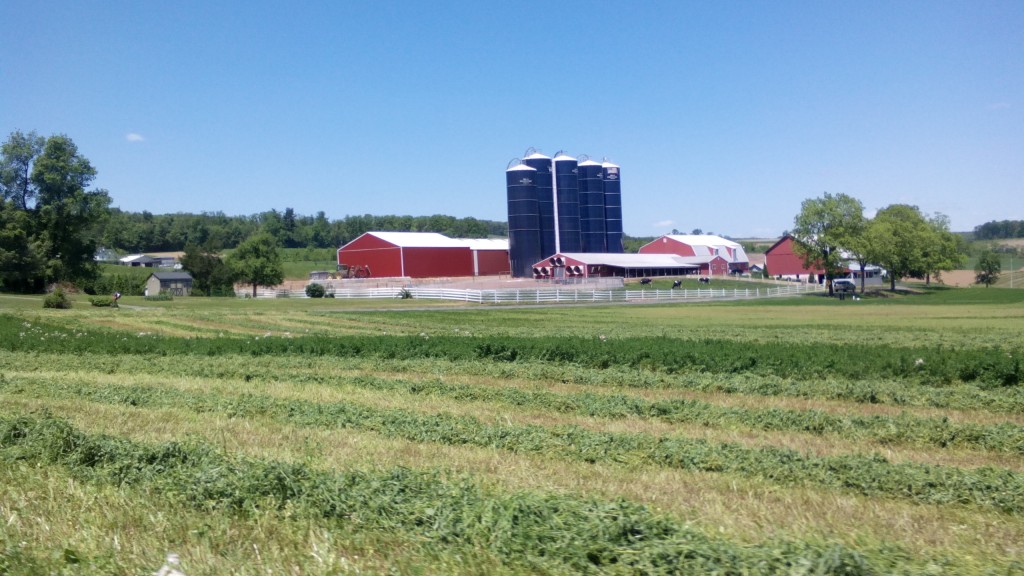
(103, 301)
(315, 290)
(57, 299)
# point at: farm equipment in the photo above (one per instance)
(353, 271)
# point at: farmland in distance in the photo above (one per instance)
(806, 435)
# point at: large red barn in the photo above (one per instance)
(782, 261)
(423, 255)
(720, 256)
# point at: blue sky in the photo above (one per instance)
(723, 115)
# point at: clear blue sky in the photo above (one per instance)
(723, 115)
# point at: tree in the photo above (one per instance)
(900, 239)
(210, 274)
(16, 158)
(21, 260)
(257, 261)
(944, 250)
(69, 219)
(824, 227)
(988, 268)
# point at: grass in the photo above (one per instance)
(449, 415)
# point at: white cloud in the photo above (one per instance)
(663, 224)
(133, 137)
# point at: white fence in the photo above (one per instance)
(556, 295)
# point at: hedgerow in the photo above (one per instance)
(550, 533)
(870, 475)
(988, 367)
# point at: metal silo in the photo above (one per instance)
(592, 218)
(523, 220)
(567, 204)
(612, 207)
(545, 199)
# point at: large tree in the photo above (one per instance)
(257, 261)
(824, 227)
(16, 157)
(21, 256)
(901, 237)
(50, 222)
(944, 251)
(69, 218)
(988, 268)
(210, 274)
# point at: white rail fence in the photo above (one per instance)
(556, 295)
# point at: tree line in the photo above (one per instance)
(999, 229)
(147, 232)
(832, 230)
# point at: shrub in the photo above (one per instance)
(405, 294)
(57, 299)
(315, 290)
(103, 301)
(161, 297)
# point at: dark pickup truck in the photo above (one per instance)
(844, 286)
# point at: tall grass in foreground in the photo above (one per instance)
(526, 531)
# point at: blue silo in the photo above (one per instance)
(592, 218)
(524, 248)
(545, 199)
(567, 204)
(612, 206)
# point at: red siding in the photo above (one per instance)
(665, 245)
(492, 262)
(781, 260)
(432, 262)
(716, 265)
(383, 258)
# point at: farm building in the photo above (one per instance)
(490, 256)
(173, 283)
(423, 255)
(708, 246)
(782, 261)
(139, 261)
(572, 265)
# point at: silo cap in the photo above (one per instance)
(537, 156)
(590, 163)
(519, 167)
(564, 158)
(609, 165)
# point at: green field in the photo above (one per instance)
(804, 435)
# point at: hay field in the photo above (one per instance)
(811, 436)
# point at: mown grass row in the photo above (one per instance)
(297, 369)
(902, 429)
(540, 533)
(988, 367)
(869, 475)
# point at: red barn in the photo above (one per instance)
(782, 261)
(423, 255)
(720, 256)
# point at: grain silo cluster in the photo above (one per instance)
(561, 204)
